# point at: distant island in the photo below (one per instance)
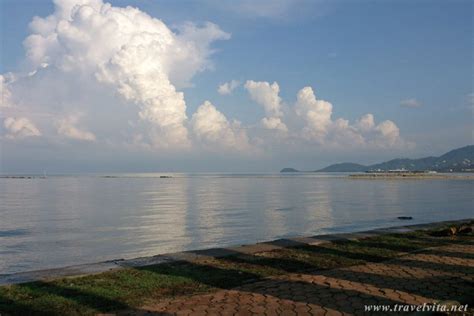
(289, 170)
(457, 160)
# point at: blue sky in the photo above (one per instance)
(361, 56)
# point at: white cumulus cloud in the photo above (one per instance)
(366, 123)
(322, 129)
(138, 55)
(267, 95)
(124, 72)
(388, 134)
(67, 127)
(316, 114)
(274, 123)
(213, 129)
(20, 127)
(5, 93)
(228, 87)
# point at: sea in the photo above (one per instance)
(60, 220)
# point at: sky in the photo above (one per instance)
(231, 86)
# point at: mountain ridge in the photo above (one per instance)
(457, 160)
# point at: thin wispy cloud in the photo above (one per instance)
(411, 103)
(470, 102)
(273, 9)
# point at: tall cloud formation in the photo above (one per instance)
(267, 95)
(88, 54)
(315, 113)
(136, 54)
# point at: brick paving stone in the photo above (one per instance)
(333, 313)
(437, 275)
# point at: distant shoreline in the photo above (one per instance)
(456, 160)
(409, 176)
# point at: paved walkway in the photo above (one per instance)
(439, 274)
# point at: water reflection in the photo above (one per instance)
(158, 221)
(61, 221)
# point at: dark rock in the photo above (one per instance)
(465, 230)
(405, 217)
(451, 231)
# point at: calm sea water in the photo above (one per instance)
(65, 220)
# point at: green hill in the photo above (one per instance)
(457, 160)
(344, 167)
